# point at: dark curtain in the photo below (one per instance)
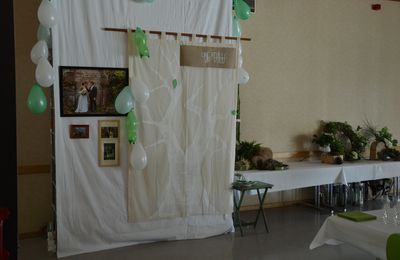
(8, 168)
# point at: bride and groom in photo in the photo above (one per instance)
(87, 97)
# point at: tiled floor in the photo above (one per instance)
(291, 231)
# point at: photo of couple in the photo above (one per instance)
(87, 97)
(88, 91)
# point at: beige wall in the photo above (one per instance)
(312, 60)
(33, 140)
(34, 202)
(33, 146)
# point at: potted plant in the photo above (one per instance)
(244, 153)
(332, 149)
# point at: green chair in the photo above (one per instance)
(393, 247)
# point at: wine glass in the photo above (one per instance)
(385, 217)
(396, 216)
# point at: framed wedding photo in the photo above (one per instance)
(78, 131)
(90, 91)
(109, 136)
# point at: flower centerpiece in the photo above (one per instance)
(385, 138)
(338, 141)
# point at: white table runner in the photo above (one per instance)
(314, 173)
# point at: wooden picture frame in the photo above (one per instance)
(78, 131)
(109, 143)
(90, 91)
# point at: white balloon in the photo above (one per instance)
(44, 73)
(240, 49)
(243, 76)
(240, 61)
(47, 14)
(39, 50)
(138, 157)
(140, 91)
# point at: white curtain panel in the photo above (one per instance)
(189, 136)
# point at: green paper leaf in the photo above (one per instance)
(174, 83)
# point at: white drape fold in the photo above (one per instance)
(188, 131)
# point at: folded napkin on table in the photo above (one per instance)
(356, 216)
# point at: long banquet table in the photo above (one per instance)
(314, 173)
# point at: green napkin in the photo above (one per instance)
(356, 216)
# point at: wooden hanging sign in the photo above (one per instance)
(208, 57)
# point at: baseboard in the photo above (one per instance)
(272, 205)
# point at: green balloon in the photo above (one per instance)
(43, 34)
(141, 43)
(131, 126)
(124, 101)
(37, 102)
(242, 9)
(236, 27)
(144, 51)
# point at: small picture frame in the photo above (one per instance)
(109, 139)
(79, 131)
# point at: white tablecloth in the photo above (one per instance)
(370, 236)
(314, 173)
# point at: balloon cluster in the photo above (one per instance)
(44, 73)
(141, 43)
(243, 75)
(138, 92)
(242, 12)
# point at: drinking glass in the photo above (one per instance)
(385, 217)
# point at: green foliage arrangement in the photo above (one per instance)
(384, 136)
(334, 136)
(244, 152)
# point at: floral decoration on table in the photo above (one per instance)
(385, 138)
(338, 141)
(251, 155)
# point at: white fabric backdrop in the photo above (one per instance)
(92, 201)
(189, 137)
